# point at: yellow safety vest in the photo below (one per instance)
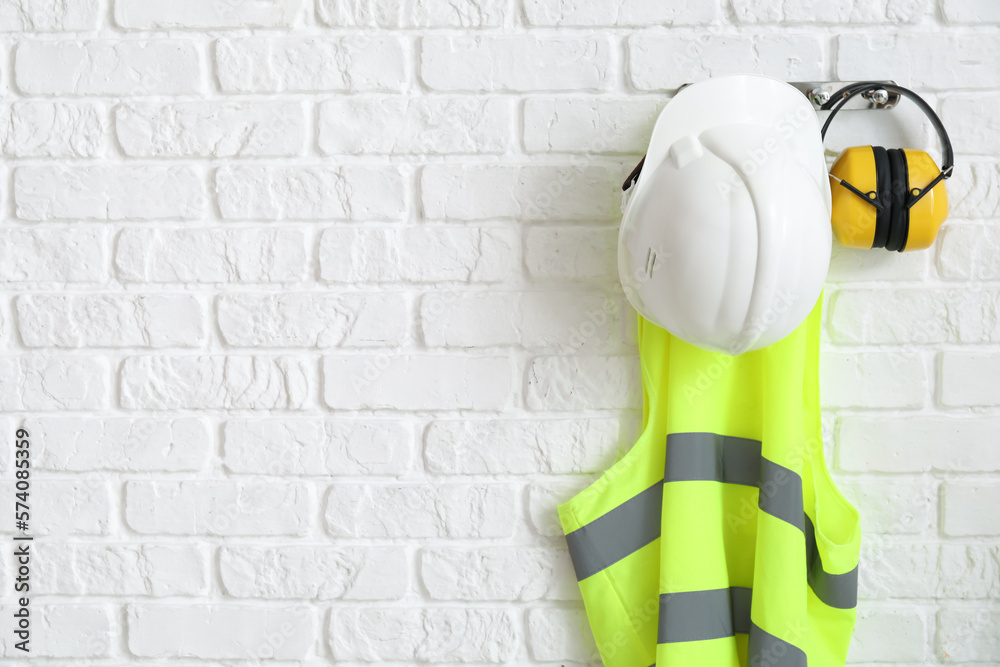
(720, 539)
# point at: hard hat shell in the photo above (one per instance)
(725, 240)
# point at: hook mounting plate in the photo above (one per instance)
(819, 92)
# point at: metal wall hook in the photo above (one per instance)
(819, 92)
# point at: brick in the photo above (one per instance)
(967, 634)
(121, 570)
(79, 444)
(851, 11)
(313, 319)
(969, 571)
(220, 631)
(126, 68)
(421, 510)
(530, 63)
(162, 382)
(64, 507)
(494, 446)
(310, 193)
(218, 508)
(900, 506)
(888, 635)
(974, 190)
(571, 253)
(862, 264)
(108, 193)
(110, 320)
(314, 573)
(73, 631)
(26, 16)
(571, 320)
(918, 443)
(317, 447)
(589, 125)
(416, 14)
(366, 382)
(560, 634)
(915, 316)
(51, 129)
(423, 635)
(666, 62)
(11, 426)
(898, 569)
(310, 64)
(873, 379)
(53, 255)
(968, 508)
(242, 255)
(480, 192)
(582, 383)
(153, 15)
(975, 12)
(912, 58)
(513, 573)
(42, 381)
(969, 378)
(625, 13)
(968, 252)
(416, 254)
(211, 129)
(972, 125)
(414, 125)
(544, 497)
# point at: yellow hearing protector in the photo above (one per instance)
(893, 199)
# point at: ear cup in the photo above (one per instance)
(883, 179)
(925, 217)
(899, 214)
(853, 215)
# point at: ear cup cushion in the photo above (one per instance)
(884, 184)
(899, 215)
(905, 161)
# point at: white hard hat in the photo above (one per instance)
(725, 240)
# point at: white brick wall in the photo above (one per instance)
(311, 308)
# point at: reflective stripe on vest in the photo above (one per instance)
(708, 456)
(720, 538)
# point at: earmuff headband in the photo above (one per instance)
(841, 97)
(634, 176)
